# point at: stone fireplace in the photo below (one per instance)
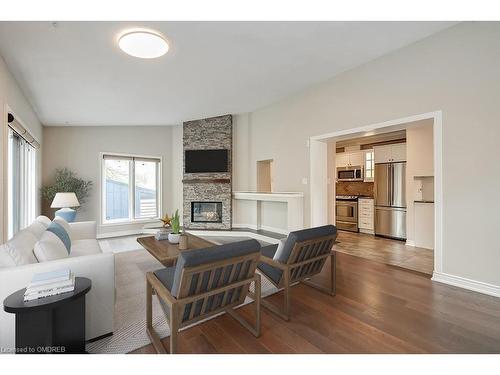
(207, 197)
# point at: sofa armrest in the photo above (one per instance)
(83, 230)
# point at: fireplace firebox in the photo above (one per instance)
(206, 212)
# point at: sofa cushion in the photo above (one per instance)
(304, 235)
(59, 220)
(5, 258)
(20, 247)
(37, 229)
(60, 232)
(196, 257)
(84, 247)
(50, 247)
(43, 220)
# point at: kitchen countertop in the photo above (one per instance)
(422, 201)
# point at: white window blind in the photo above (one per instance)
(21, 183)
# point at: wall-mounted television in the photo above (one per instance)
(206, 161)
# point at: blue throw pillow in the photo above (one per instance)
(60, 232)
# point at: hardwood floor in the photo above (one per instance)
(378, 309)
(386, 251)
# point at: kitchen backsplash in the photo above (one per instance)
(354, 188)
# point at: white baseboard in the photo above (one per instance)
(410, 243)
(462, 282)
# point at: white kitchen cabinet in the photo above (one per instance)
(347, 159)
(342, 159)
(356, 158)
(424, 225)
(398, 152)
(366, 215)
(390, 153)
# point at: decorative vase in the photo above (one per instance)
(183, 242)
(67, 214)
(174, 237)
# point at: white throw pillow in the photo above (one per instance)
(63, 223)
(20, 247)
(279, 250)
(5, 258)
(43, 220)
(50, 247)
(37, 229)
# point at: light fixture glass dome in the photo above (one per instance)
(143, 44)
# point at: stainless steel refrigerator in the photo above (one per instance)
(390, 200)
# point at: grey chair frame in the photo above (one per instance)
(176, 306)
(300, 268)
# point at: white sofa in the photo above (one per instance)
(85, 259)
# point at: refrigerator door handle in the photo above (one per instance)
(390, 177)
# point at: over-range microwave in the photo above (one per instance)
(350, 173)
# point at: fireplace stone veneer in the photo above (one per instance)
(208, 134)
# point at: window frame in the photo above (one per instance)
(131, 199)
(372, 161)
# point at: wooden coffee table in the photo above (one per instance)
(166, 253)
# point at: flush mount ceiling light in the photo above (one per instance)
(143, 44)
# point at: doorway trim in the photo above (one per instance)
(319, 213)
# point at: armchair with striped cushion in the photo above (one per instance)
(301, 256)
(205, 282)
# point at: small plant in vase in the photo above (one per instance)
(175, 224)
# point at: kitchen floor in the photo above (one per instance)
(387, 251)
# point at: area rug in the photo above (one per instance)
(130, 307)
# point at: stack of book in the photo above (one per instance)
(162, 234)
(50, 284)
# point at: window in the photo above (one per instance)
(21, 182)
(369, 165)
(131, 187)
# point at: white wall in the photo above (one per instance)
(79, 148)
(455, 71)
(11, 96)
(420, 162)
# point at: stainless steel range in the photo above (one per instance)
(346, 212)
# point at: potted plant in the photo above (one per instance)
(66, 180)
(175, 223)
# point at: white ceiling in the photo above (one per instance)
(73, 73)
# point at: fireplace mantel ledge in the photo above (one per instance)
(295, 209)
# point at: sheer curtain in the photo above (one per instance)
(22, 183)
